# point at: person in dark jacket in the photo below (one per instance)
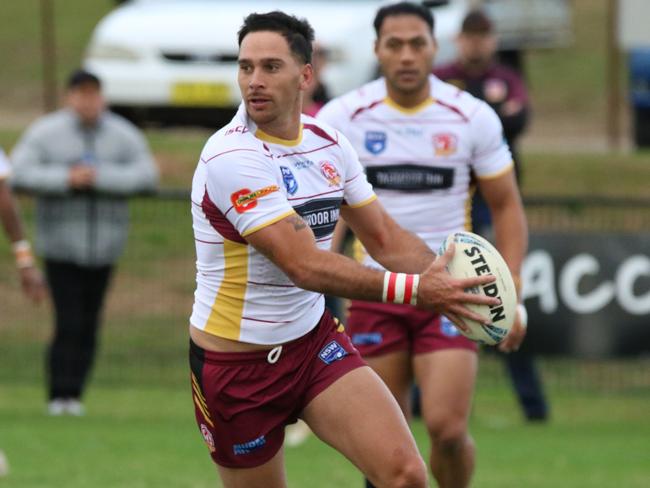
(81, 162)
(477, 71)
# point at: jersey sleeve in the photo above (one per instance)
(491, 155)
(245, 189)
(357, 190)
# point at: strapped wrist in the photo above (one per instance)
(23, 254)
(400, 288)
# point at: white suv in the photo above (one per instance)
(176, 60)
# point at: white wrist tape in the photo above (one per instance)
(400, 288)
(523, 314)
(23, 254)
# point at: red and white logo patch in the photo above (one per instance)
(330, 172)
(245, 199)
(445, 144)
(207, 437)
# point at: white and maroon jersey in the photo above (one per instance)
(420, 160)
(5, 168)
(246, 180)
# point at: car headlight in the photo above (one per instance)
(108, 51)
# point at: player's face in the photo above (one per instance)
(405, 50)
(87, 101)
(270, 78)
(476, 49)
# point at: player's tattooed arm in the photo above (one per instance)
(297, 222)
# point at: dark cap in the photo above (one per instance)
(477, 22)
(81, 77)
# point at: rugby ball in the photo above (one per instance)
(475, 256)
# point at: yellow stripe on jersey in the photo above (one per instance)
(260, 134)
(228, 307)
(408, 110)
(364, 203)
(266, 224)
(498, 173)
(359, 252)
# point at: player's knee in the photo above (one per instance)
(408, 473)
(450, 437)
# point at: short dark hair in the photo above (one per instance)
(403, 8)
(81, 77)
(477, 22)
(298, 33)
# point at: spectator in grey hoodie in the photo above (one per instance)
(81, 162)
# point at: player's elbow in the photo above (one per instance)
(301, 274)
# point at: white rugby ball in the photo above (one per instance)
(475, 256)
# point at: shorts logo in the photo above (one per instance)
(367, 338)
(448, 328)
(330, 172)
(375, 141)
(245, 199)
(332, 352)
(250, 446)
(207, 437)
(289, 179)
(445, 144)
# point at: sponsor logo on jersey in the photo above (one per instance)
(447, 327)
(245, 199)
(303, 164)
(409, 131)
(367, 338)
(250, 446)
(207, 437)
(332, 352)
(330, 172)
(375, 141)
(289, 179)
(321, 215)
(240, 129)
(410, 177)
(445, 144)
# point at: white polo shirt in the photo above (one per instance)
(246, 180)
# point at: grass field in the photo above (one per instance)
(144, 436)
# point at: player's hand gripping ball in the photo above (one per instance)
(475, 256)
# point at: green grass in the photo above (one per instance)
(144, 436)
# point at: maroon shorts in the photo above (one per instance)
(243, 402)
(381, 328)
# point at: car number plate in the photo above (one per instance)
(201, 94)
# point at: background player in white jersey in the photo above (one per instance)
(419, 140)
(265, 198)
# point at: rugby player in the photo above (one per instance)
(419, 140)
(266, 195)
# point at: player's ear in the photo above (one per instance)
(306, 76)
